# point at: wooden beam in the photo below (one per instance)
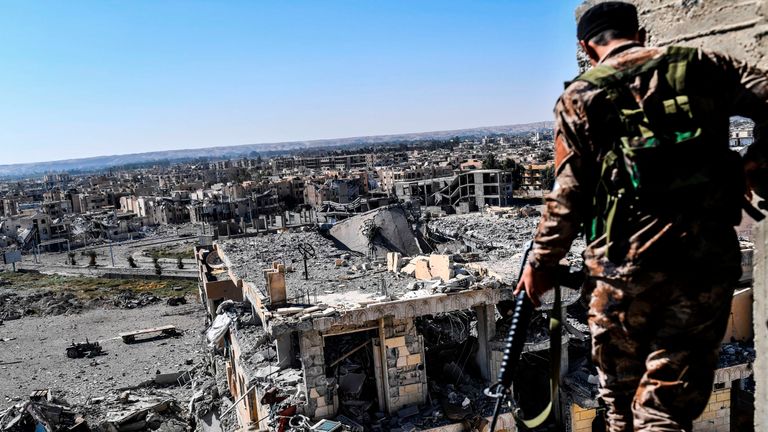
(350, 353)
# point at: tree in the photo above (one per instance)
(179, 263)
(71, 258)
(490, 162)
(92, 256)
(371, 231)
(158, 267)
(132, 262)
(515, 169)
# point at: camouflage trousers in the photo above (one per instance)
(655, 342)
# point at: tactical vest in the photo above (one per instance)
(660, 163)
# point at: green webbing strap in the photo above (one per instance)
(555, 349)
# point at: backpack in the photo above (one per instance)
(662, 161)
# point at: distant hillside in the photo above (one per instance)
(103, 162)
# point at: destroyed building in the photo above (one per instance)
(463, 193)
(357, 335)
(389, 329)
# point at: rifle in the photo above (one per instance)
(515, 342)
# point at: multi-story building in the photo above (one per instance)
(340, 191)
(533, 175)
(464, 192)
(389, 176)
(88, 202)
(318, 163)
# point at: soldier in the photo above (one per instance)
(644, 171)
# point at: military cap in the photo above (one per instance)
(612, 15)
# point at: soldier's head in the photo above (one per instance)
(606, 25)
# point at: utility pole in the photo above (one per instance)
(111, 255)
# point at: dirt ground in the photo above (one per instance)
(32, 350)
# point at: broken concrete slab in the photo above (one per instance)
(393, 230)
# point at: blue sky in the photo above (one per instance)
(90, 78)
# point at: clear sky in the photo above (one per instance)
(90, 78)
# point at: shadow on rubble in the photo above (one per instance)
(350, 360)
(455, 380)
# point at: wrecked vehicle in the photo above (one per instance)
(84, 349)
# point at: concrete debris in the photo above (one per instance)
(380, 231)
(176, 301)
(162, 415)
(737, 353)
(131, 300)
(42, 303)
(41, 416)
(493, 241)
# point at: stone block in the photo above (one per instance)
(412, 388)
(409, 269)
(414, 359)
(276, 287)
(723, 396)
(583, 425)
(395, 342)
(402, 362)
(441, 266)
(313, 394)
(312, 351)
(322, 412)
(422, 270)
(394, 261)
(313, 371)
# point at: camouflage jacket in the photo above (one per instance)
(737, 89)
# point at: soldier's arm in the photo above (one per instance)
(564, 210)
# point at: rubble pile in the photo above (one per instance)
(487, 231)
(340, 280)
(456, 385)
(167, 403)
(736, 353)
(497, 238)
(250, 255)
(43, 416)
(40, 303)
(131, 300)
(279, 383)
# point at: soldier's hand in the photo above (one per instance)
(535, 283)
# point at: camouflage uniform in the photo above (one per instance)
(658, 314)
